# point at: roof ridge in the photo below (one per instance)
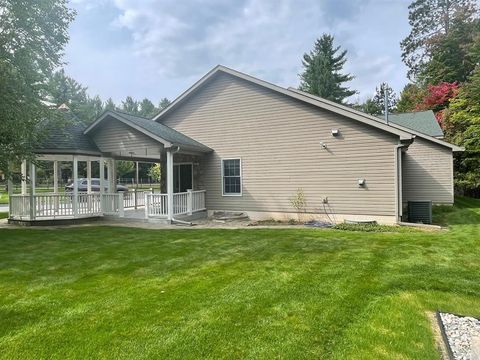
(127, 113)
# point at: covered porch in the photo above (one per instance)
(114, 137)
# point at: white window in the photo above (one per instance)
(232, 178)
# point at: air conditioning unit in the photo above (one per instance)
(420, 211)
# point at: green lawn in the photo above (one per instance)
(101, 292)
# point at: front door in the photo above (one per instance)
(182, 177)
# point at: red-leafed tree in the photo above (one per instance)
(438, 98)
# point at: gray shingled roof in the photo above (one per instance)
(162, 131)
(421, 121)
(68, 140)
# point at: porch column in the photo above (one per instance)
(10, 191)
(55, 176)
(89, 176)
(102, 174)
(75, 186)
(109, 175)
(170, 184)
(24, 177)
(32, 191)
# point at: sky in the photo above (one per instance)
(159, 48)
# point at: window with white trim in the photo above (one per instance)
(232, 179)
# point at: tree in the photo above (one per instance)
(430, 21)
(164, 103)
(369, 107)
(322, 71)
(451, 57)
(110, 105)
(62, 89)
(462, 126)
(379, 98)
(124, 167)
(147, 109)
(155, 172)
(130, 106)
(410, 97)
(33, 35)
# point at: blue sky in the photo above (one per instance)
(158, 48)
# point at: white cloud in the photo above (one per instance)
(175, 42)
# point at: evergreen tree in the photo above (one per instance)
(110, 105)
(131, 106)
(451, 56)
(379, 98)
(322, 71)
(147, 109)
(370, 107)
(430, 21)
(164, 103)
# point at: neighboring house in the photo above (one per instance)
(252, 145)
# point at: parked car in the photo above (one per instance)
(82, 185)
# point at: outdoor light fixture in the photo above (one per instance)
(335, 132)
(361, 182)
(323, 145)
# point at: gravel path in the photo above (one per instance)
(463, 335)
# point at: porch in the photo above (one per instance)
(114, 136)
(133, 205)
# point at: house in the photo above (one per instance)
(233, 142)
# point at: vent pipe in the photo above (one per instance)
(386, 102)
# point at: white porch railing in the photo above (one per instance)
(133, 199)
(156, 205)
(185, 203)
(112, 204)
(55, 205)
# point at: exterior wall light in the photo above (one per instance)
(335, 132)
(361, 182)
(323, 145)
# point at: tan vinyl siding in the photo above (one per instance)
(115, 137)
(428, 172)
(278, 141)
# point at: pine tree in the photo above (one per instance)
(110, 105)
(431, 21)
(147, 109)
(130, 106)
(322, 71)
(164, 103)
(379, 98)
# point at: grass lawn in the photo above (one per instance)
(102, 292)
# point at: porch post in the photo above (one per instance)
(75, 186)
(10, 192)
(55, 183)
(24, 177)
(89, 176)
(170, 185)
(32, 191)
(102, 175)
(55, 176)
(102, 182)
(109, 175)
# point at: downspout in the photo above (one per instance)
(399, 180)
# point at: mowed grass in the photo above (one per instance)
(124, 293)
